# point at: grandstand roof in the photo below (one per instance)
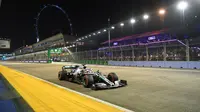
(69, 38)
(57, 36)
(146, 34)
(181, 31)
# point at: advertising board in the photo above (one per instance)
(4, 44)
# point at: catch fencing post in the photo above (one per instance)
(91, 54)
(147, 53)
(133, 53)
(165, 52)
(97, 54)
(187, 50)
(121, 53)
(112, 53)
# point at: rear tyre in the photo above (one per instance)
(61, 76)
(88, 81)
(112, 77)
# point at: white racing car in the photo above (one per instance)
(90, 79)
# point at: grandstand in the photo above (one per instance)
(39, 51)
(175, 44)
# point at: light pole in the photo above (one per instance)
(0, 2)
(161, 13)
(146, 17)
(76, 47)
(109, 35)
(182, 6)
(109, 29)
(132, 21)
(122, 25)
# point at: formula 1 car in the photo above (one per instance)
(90, 79)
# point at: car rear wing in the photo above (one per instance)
(67, 67)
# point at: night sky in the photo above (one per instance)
(17, 17)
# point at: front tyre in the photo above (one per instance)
(88, 81)
(112, 77)
(61, 76)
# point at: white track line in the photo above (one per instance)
(96, 99)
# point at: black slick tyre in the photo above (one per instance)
(61, 76)
(88, 81)
(112, 77)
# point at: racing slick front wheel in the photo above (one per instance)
(61, 76)
(112, 77)
(88, 81)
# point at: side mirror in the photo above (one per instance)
(63, 68)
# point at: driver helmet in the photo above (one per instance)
(84, 67)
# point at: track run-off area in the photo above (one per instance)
(148, 90)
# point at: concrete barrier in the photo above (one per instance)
(162, 64)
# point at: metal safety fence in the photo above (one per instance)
(169, 50)
(173, 50)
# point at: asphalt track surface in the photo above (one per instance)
(148, 90)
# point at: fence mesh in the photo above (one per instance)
(163, 51)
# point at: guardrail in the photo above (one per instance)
(161, 64)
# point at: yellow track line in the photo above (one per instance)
(45, 97)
